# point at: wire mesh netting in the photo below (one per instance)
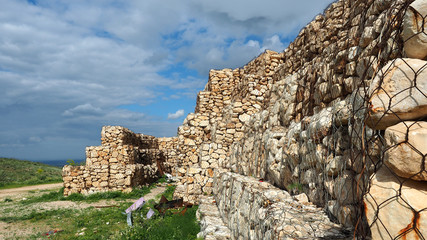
(388, 132)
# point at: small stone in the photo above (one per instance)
(193, 170)
(204, 123)
(204, 164)
(244, 117)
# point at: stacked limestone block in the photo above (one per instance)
(304, 120)
(168, 147)
(196, 131)
(124, 160)
(228, 100)
(312, 132)
(258, 210)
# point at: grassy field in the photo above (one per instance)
(17, 173)
(40, 219)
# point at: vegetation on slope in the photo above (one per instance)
(16, 173)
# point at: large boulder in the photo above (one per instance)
(398, 93)
(406, 144)
(396, 207)
(414, 32)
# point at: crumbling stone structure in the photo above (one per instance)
(124, 160)
(338, 119)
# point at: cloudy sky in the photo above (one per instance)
(69, 67)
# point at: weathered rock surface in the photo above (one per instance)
(406, 145)
(211, 224)
(414, 31)
(257, 210)
(398, 93)
(396, 207)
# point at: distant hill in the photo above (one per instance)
(15, 173)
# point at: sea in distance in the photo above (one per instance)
(59, 163)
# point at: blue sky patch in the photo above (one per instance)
(178, 70)
(254, 38)
(33, 2)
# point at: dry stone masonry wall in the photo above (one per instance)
(124, 160)
(226, 103)
(316, 113)
(338, 120)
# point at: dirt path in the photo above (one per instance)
(14, 193)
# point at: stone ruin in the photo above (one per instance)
(327, 139)
(123, 161)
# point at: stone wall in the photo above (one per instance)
(312, 118)
(339, 116)
(223, 107)
(255, 209)
(124, 160)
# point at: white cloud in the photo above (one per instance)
(66, 66)
(273, 43)
(84, 109)
(34, 139)
(176, 115)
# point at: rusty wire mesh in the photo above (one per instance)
(370, 150)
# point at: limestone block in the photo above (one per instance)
(414, 31)
(194, 170)
(367, 36)
(345, 188)
(353, 52)
(193, 158)
(67, 178)
(397, 95)
(204, 164)
(103, 184)
(335, 166)
(393, 210)
(93, 153)
(405, 158)
(244, 117)
(320, 124)
(342, 112)
(189, 142)
(204, 123)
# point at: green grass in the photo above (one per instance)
(110, 223)
(117, 195)
(172, 225)
(38, 215)
(295, 188)
(18, 173)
